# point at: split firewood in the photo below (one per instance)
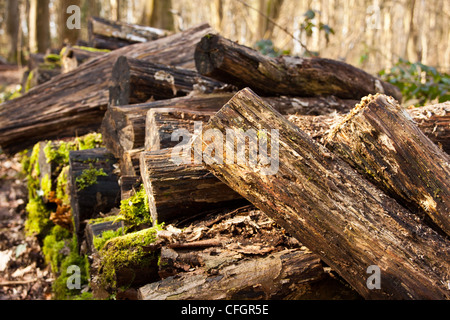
(381, 140)
(227, 61)
(330, 208)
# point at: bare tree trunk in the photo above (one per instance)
(39, 32)
(12, 28)
(157, 14)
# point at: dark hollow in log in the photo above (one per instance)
(136, 81)
(381, 141)
(177, 191)
(74, 103)
(227, 61)
(107, 34)
(93, 185)
(331, 209)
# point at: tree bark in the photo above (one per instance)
(75, 102)
(129, 185)
(39, 33)
(178, 191)
(331, 209)
(224, 60)
(381, 141)
(12, 29)
(107, 34)
(129, 162)
(90, 198)
(136, 81)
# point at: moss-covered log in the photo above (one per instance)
(330, 208)
(227, 61)
(381, 141)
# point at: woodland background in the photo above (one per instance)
(369, 34)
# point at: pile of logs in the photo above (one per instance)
(354, 181)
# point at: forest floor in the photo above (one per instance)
(24, 275)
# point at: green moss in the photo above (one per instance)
(28, 82)
(135, 210)
(91, 49)
(61, 186)
(59, 287)
(88, 177)
(52, 58)
(89, 141)
(46, 185)
(38, 220)
(54, 243)
(126, 252)
(100, 241)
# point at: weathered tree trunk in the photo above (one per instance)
(107, 34)
(75, 102)
(280, 275)
(381, 141)
(178, 191)
(12, 29)
(136, 81)
(93, 185)
(162, 122)
(123, 127)
(72, 57)
(330, 208)
(39, 26)
(224, 60)
(434, 121)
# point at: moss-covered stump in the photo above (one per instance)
(128, 260)
(99, 231)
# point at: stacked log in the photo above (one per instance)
(231, 175)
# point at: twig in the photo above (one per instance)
(17, 283)
(277, 25)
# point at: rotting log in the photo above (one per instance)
(93, 185)
(161, 123)
(381, 141)
(74, 103)
(282, 274)
(136, 81)
(107, 34)
(330, 208)
(434, 121)
(123, 127)
(227, 61)
(129, 186)
(95, 229)
(177, 191)
(129, 162)
(72, 57)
